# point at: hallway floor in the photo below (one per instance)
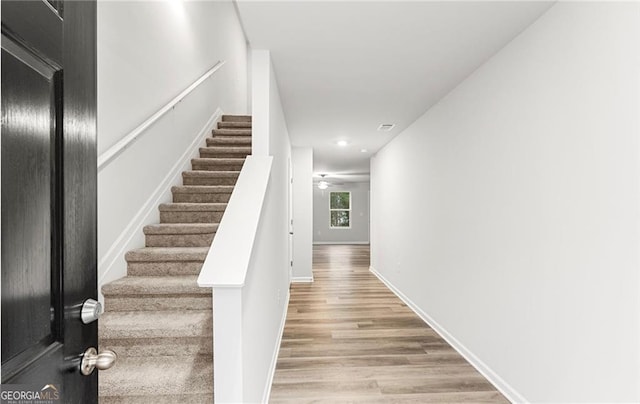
(349, 339)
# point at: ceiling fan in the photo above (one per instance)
(322, 184)
(325, 180)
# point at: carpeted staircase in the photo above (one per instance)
(157, 319)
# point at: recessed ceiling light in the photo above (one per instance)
(363, 150)
(386, 127)
(342, 143)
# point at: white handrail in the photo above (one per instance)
(123, 143)
(228, 259)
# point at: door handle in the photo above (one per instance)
(92, 359)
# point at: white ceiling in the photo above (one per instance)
(345, 67)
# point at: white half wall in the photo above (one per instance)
(359, 231)
(265, 294)
(302, 160)
(509, 213)
(149, 52)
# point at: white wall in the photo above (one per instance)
(508, 213)
(302, 159)
(148, 52)
(359, 231)
(265, 294)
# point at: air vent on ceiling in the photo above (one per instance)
(386, 127)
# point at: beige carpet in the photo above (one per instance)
(157, 319)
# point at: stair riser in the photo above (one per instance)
(183, 197)
(217, 166)
(209, 180)
(158, 302)
(222, 154)
(179, 240)
(163, 268)
(236, 118)
(234, 125)
(229, 141)
(148, 347)
(191, 217)
(191, 376)
(231, 132)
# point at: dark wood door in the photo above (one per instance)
(49, 178)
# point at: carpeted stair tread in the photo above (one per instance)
(179, 237)
(182, 334)
(192, 207)
(156, 324)
(202, 193)
(236, 118)
(225, 151)
(149, 293)
(229, 141)
(231, 132)
(218, 163)
(167, 254)
(219, 160)
(234, 125)
(181, 228)
(186, 346)
(192, 212)
(154, 285)
(210, 174)
(210, 177)
(162, 379)
(203, 189)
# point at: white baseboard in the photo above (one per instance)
(341, 242)
(276, 352)
(302, 279)
(112, 265)
(509, 392)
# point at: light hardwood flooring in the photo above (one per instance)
(349, 339)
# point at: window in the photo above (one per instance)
(340, 209)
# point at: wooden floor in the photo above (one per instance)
(349, 339)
